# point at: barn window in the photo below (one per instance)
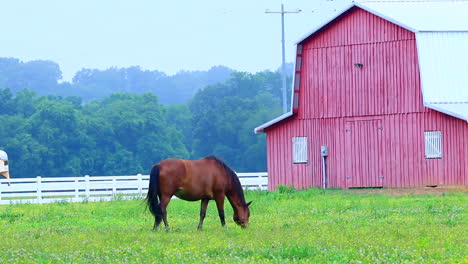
(299, 149)
(433, 144)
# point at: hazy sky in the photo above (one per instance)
(169, 36)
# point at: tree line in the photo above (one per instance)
(126, 132)
(45, 77)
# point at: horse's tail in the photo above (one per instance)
(152, 198)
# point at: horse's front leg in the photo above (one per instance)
(204, 205)
(220, 205)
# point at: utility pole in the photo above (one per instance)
(283, 65)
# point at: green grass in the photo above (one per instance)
(312, 226)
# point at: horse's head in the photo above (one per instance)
(241, 215)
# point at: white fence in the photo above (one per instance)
(93, 188)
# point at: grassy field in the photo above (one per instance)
(311, 226)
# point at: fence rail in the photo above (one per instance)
(93, 188)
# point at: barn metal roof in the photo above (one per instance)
(415, 16)
(441, 29)
(443, 67)
(422, 15)
(260, 128)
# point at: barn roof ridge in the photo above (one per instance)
(422, 22)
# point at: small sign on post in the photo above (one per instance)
(4, 168)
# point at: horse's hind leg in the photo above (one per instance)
(163, 203)
(157, 222)
(204, 205)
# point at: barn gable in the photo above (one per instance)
(441, 36)
(361, 91)
(353, 73)
(441, 30)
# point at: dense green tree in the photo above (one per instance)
(55, 136)
(39, 75)
(65, 133)
(6, 102)
(180, 118)
(225, 115)
(176, 89)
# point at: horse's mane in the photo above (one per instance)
(234, 178)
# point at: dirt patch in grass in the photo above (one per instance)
(437, 190)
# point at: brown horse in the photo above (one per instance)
(192, 180)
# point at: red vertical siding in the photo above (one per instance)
(401, 161)
(387, 83)
(357, 27)
(387, 89)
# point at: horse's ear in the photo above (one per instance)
(248, 204)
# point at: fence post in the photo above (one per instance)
(140, 183)
(114, 188)
(87, 186)
(260, 187)
(77, 189)
(38, 189)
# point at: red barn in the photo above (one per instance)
(383, 87)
